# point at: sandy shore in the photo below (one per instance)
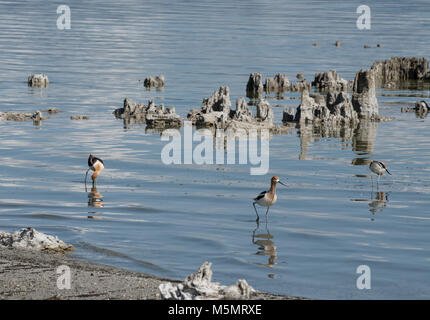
(27, 274)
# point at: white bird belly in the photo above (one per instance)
(266, 202)
(97, 166)
(376, 168)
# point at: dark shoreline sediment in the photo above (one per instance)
(32, 275)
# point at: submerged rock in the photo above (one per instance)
(29, 238)
(329, 80)
(38, 80)
(52, 110)
(364, 95)
(392, 72)
(157, 82)
(76, 117)
(199, 286)
(21, 116)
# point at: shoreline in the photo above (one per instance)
(32, 275)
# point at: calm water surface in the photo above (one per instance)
(167, 220)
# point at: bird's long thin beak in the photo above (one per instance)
(388, 172)
(283, 183)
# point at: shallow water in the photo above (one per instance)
(167, 220)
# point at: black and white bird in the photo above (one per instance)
(379, 168)
(95, 164)
(267, 198)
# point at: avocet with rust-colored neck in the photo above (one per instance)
(95, 164)
(267, 198)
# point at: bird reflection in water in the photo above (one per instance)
(266, 247)
(377, 203)
(95, 198)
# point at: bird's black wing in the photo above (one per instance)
(90, 161)
(383, 166)
(260, 196)
(98, 159)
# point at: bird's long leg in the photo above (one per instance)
(267, 211)
(253, 232)
(86, 174)
(258, 218)
(379, 176)
(267, 229)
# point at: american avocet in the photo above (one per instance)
(95, 164)
(378, 168)
(267, 198)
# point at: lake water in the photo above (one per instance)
(168, 219)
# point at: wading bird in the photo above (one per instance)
(378, 168)
(267, 198)
(95, 164)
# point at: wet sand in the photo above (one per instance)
(32, 275)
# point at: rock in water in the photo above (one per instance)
(421, 108)
(215, 111)
(20, 116)
(335, 109)
(131, 110)
(29, 238)
(364, 95)
(155, 116)
(288, 115)
(157, 82)
(392, 72)
(242, 112)
(264, 112)
(158, 117)
(77, 117)
(38, 80)
(254, 87)
(199, 286)
(329, 80)
(277, 84)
